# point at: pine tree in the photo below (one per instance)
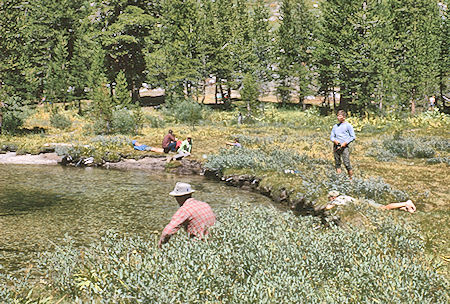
(416, 49)
(12, 61)
(262, 43)
(122, 94)
(123, 28)
(294, 44)
(444, 57)
(182, 45)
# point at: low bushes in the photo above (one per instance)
(186, 111)
(278, 160)
(254, 255)
(60, 121)
(102, 149)
(407, 147)
(315, 176)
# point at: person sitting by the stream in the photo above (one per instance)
(169, 142)
(335, 199)
(195, 216)
(139, 147)
(236, 143)
(183, 151)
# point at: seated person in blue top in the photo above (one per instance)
(342, 135)
(139, 147)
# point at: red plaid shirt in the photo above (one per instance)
(195, 216)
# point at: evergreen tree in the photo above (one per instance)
(57, 79)
(12, 59)
(416, 48)
(444, 57)
(123, 28)
(50, 26)
(294, 42)
(250, 93)
(262, 43)
(182, 45)
(122, 94)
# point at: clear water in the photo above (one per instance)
(39, 205)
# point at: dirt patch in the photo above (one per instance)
(28, 159)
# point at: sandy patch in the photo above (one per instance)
(28, 159)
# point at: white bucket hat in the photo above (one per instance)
(333, 193)
(181, 189)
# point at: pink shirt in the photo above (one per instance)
(195, 216)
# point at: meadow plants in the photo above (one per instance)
(253, 255)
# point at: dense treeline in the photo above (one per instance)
(377, 53)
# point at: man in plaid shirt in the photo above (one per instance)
(195, 216)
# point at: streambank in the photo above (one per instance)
(292, 200)
(151, 162)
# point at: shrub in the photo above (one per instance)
(371, 188)
(101, 149)
(439, 160)
(254, 255)
(155, 122)
(186, 111)
(278, 160)
(409, 147)
(123, 122)
(60, 121)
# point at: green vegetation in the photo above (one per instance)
(254, 254)
(383, 56)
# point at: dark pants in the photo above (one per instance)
(170, 147)
(344, 154)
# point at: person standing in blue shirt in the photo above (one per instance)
(342, 135)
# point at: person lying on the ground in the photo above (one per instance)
(236, 143)
(169, 142)
(335, 199)
(139, 147)
(195, 216)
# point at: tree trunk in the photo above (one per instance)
(221, 90)
(413, 102)
(301, 102)
(111, 90)
(334, 100)
(343, 100)
(1, 117)
(204, 91)
(135, 93)
(216, 91)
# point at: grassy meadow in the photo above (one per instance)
(395, 157)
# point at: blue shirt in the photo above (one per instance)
(141, 147)
(343, 133)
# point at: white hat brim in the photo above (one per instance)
(174, 193)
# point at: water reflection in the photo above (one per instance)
(40, 204)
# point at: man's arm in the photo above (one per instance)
(175, 223)
(351, 132)
(333, 135)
